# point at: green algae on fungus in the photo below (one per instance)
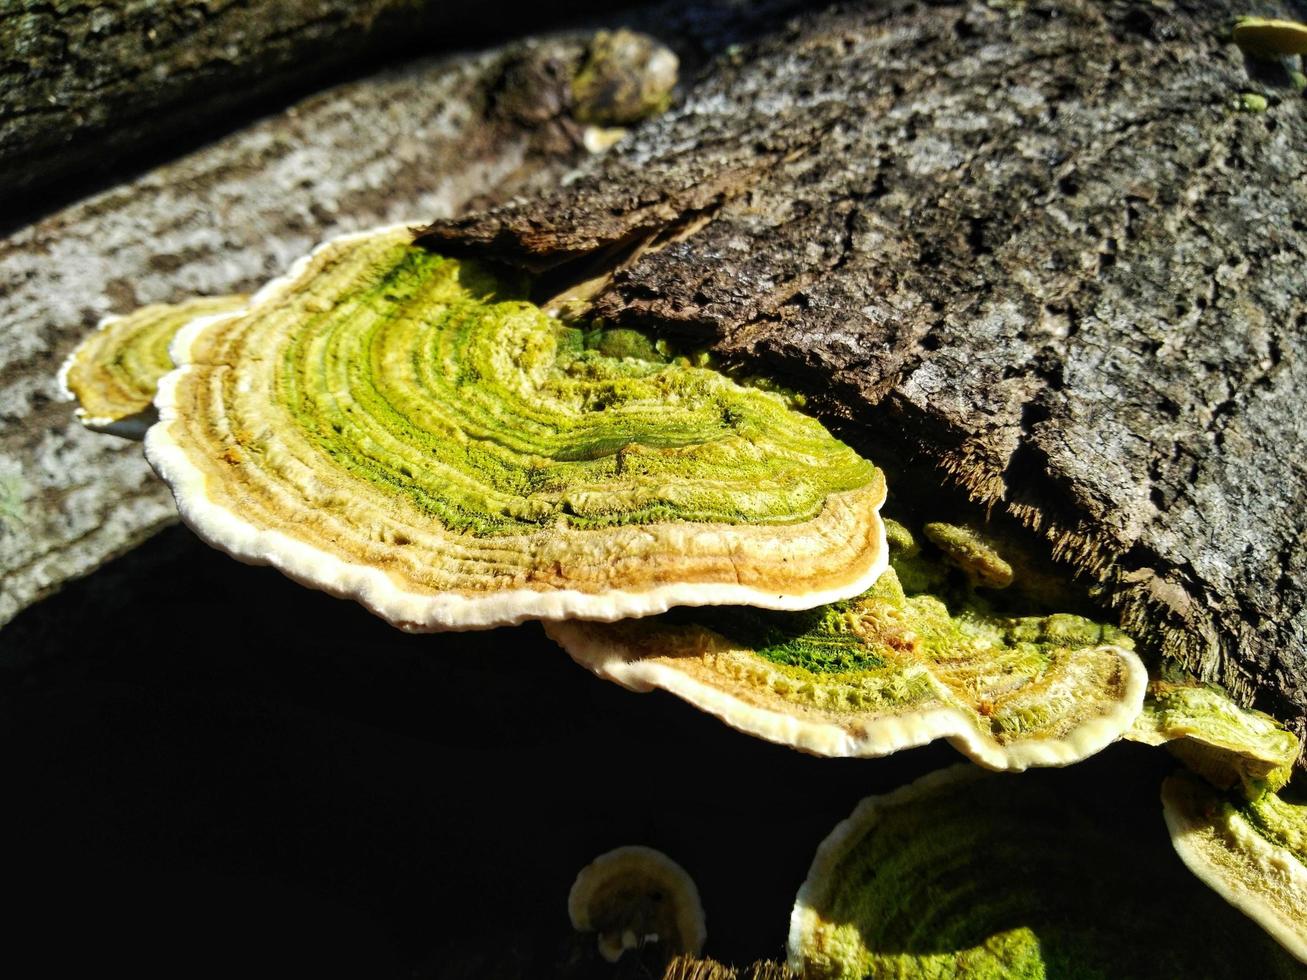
(633, 896)
(1226, 744)
(1253, 102)
(405, 429)
(964, 874)
(1251, 853)
(885, 671)
(114, 372)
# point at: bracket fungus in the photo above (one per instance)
(406, 429)
(885, 671)
(1226, 744)
(967, 549)
(633, 896)
(1266, 37)
(965, 874)
(1251, 853)
(113, 373)
(626, 77)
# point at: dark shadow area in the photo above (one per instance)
(203, 762)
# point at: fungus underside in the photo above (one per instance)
(1253, 853)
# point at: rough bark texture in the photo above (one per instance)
(395, 147)
(82, 84)
(1032, 248)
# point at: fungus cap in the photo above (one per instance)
(971, 875)
(1226, 744)
(397, 427)
(967, 548)
(884, 672)
(1254, 855)
(1270, 38)
(114, 372)
(634, 895)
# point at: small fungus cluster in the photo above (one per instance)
(634, 896)
(410, 431)
(1275, 48)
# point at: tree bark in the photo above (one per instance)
(1032, 253)
(82, 85)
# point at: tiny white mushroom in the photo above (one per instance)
(635, 895)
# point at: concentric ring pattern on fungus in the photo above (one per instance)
(883, 672)
(113, 373)
(404, 429)
(983, 876)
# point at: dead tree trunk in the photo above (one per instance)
(1032, 252)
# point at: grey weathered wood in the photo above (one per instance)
(403, 145)
(1031, 252)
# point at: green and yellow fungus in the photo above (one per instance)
(1253, 102)
(967, 548)
(633, 896)
(964, 874)
(114, 372)
(406, 429)
(626, 77)
(1253, 853)
(1227, 745)
(887, 670)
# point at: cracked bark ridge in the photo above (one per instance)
(1033, 244)
(225, 219)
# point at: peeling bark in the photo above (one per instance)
(1033, 249)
